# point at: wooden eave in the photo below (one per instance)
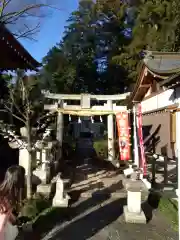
(141, 87)
(13, 54)
(163, 64)
(172, 81)
(146, 75)
(171, 108)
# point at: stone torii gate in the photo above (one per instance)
(85, 109)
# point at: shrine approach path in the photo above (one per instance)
(98, 214)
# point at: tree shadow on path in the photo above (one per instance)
(58, 216)
(87, 226)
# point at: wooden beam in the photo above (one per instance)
(79, 96)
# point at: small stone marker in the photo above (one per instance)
(134, 202)
(60, 199)
(128, 171)
(133, 212)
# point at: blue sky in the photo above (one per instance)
(51, 30)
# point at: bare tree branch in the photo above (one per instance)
(11, 16)
(4, 5)
(16, 106)
(18, 14)
(19, 118)
(18, 17)
(45, 116)
(29, 32)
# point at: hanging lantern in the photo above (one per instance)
(92, 120)
(79, 120)
(69, 118)
(101, 119)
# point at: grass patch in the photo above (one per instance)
(32, 208)
(169, 208)
(101, 148)
(44, 213)
(48, 219)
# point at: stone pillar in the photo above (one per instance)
(44, 160)
(133, 212)
(134, 202)
(110, 127)
(61, 198)
(60, 126)
(43, 172)
(38, 156)
(23, 159)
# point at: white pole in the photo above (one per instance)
(136, 153)
(111, 153)
(178, 159)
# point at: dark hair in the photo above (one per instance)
(13, 186)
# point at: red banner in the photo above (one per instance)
(141, 143)
(123, 134)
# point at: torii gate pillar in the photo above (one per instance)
(110, 127)
(60, 126)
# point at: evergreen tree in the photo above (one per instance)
(93, 35)
(103, 43)
(155, 26)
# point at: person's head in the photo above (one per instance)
(13, 185)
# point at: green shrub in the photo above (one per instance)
(169, 208)
(101, 148)
(34, 207)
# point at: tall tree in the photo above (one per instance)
(111, 15)
(104, 40)
(93, 35)
(59, 73)
(79, 45)
(154, 25)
